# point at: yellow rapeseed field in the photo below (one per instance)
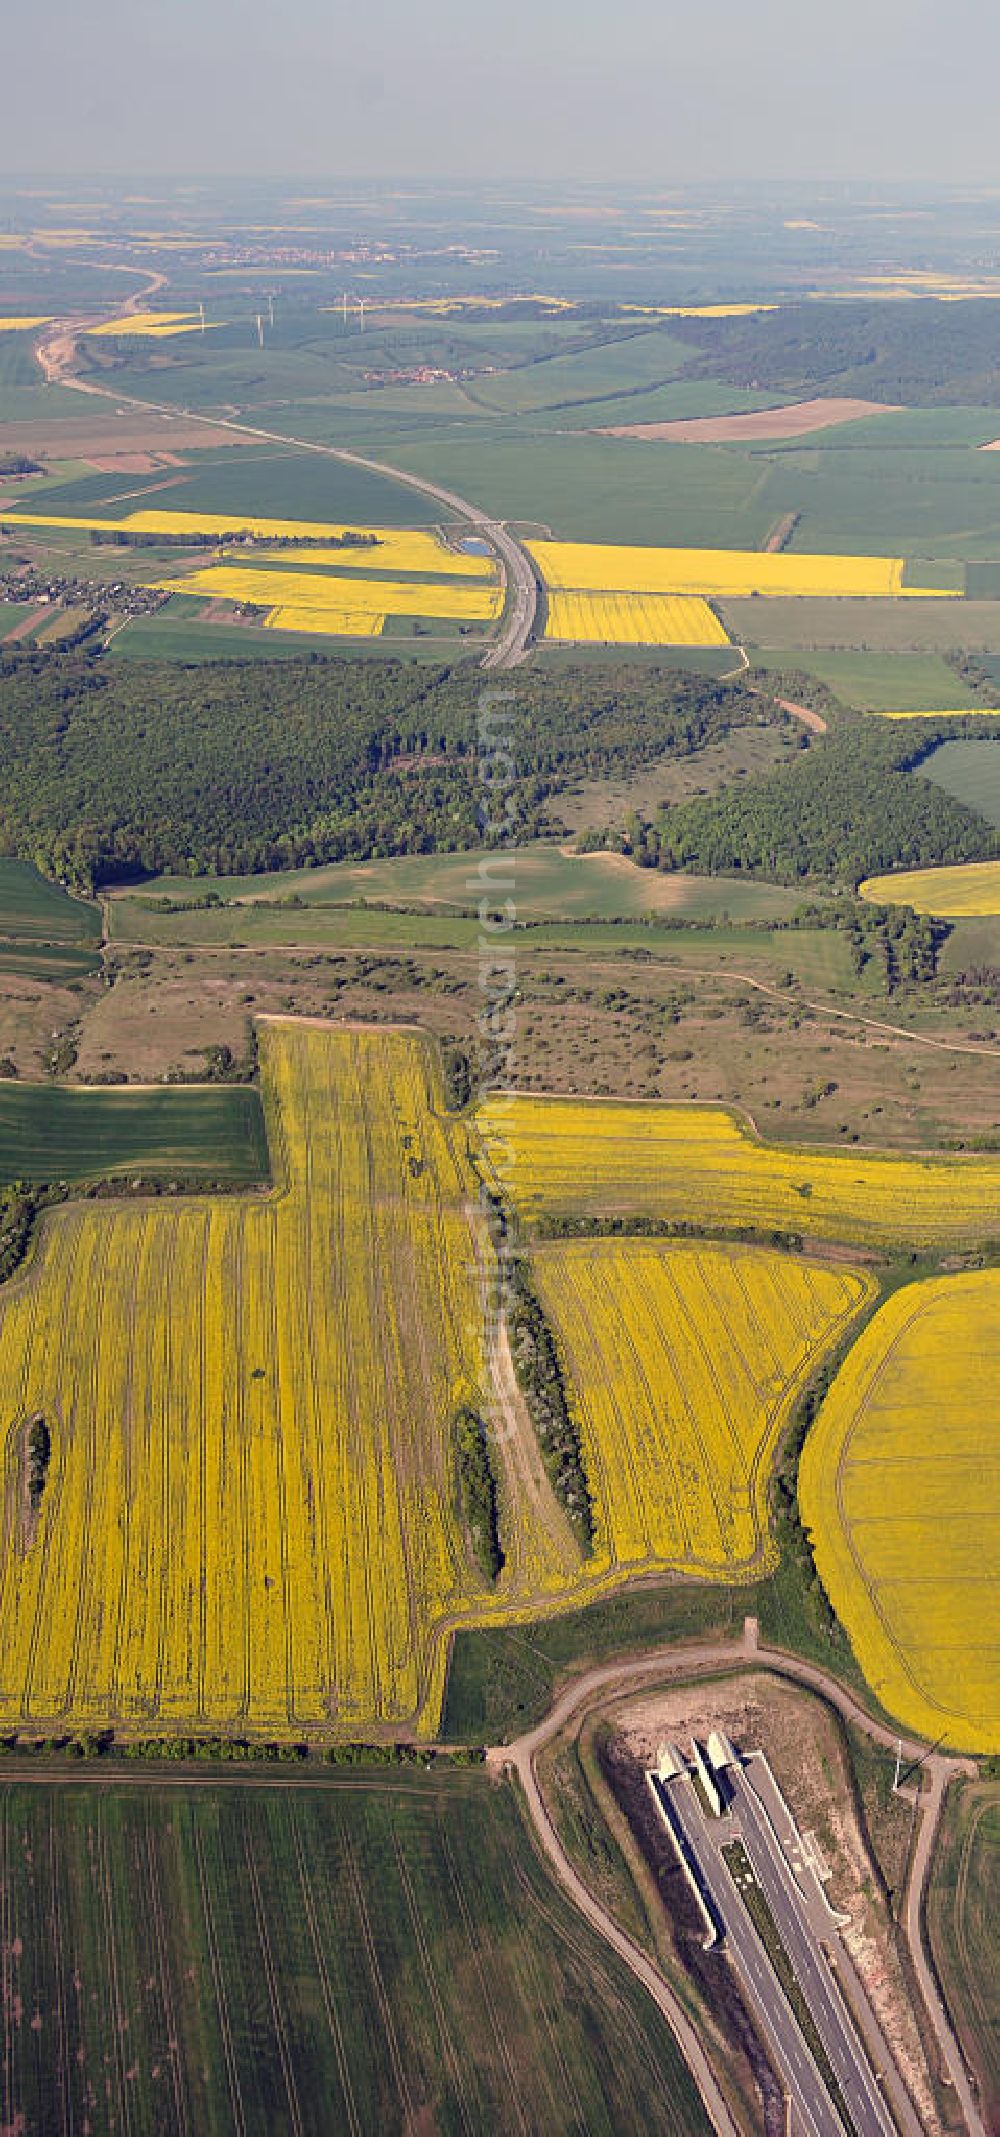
(697, 311)
(332, 622)
(682, 1365)
(701, 1164)
(960, 893)
(399, 549)
(606, 567)
(900, 1487)
(954, 712)
(634, 619)
(17, 323)
(250, 1512)
(152, 325)
(323, 593)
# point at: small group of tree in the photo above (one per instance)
(39, 1450)
(641, 1224)
(540, 1377)
(19, 464)
(459, 1077)
(18, 1209)
(243, 538)
(478, 1491)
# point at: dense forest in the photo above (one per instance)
(924, 353)
(115, 771)
(851, 806)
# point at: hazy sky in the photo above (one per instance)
(648, 89)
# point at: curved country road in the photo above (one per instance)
(607, 1683)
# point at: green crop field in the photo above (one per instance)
(34, 910)
(645, 357)
(982, 580)
(168, 637)
(923, 501)
(58, 962)
(886, 682)
(909, 626)
(675, 402)
(991, 667)
(370, 1957)
(548, 884)
(262, 926)
(963, 1915)
(715, 661)
(972, 946)
(971, 771)
(51, 1133)
(275, 481)
(601, 489)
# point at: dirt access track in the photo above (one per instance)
(796, 421)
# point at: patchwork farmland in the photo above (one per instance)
(290, 1477)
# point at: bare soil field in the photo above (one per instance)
(796, 421)
(27, 625)
(134, 463)
(102, 431)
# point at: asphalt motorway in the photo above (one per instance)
(865, 2104)
(517, 623)
(815, 2111)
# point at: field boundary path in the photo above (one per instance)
(512, 641)
(603, 1685)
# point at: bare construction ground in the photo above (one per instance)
(795, 421)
